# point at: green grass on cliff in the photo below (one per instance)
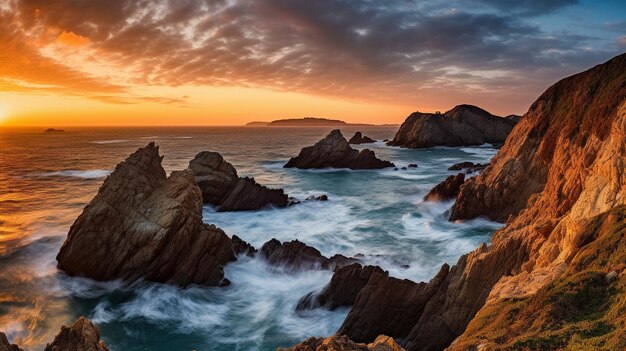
(579, 311)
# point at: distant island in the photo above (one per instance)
(306, 122)
(52, 130)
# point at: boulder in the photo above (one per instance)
(464, 125)
(412, 165)
(83, 335)
(142, 224)
(296, 255)
(446, 190)
(345, 285)
(334, 151)
(222, 187)
(358, 138)
(342, 343)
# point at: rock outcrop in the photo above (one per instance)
(83, 335)
(222, 187)
(142, 224)
(562, 165)
(296, 255)
(5, 345)
(446, 190)
(346, 283)
(342, 343)
(468, 167)
(359, 138)
(334, 151)
(464, 125)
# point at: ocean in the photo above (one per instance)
(47, 178)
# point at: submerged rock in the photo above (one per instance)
(469, 167)
(359, 138)
(296, 255)
(343, 288)
(342, 343)
(83, 335)
(464, 125)
(142, 224)
(222, 187)
(334, 151)
(446, 190)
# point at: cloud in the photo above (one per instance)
(402, 52)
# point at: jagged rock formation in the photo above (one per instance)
(142, 224)
(242, 247)
(296, 255)
(334, 151)
(561, 166)
(462, 126)
(446, 190)
(359, 138)
(468, 167)
(343, 288)
(81, 336)
(222, 187)
(342, 343)
(5, 345)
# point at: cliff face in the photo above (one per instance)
(142, 224)
(463, 125)
(562, 165)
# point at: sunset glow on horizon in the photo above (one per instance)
(96, 63)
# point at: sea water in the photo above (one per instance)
(46, 180)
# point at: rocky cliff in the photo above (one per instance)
(222, 187)
(342, 343)
(334, 151)
(142, 224)
(560, 167)
(463, 125)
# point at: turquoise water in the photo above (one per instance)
(45, 180)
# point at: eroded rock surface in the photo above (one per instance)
(83, 335)
(296, 255)
(342, 343)
(142, 224)
(446, 190)
(334, 151)
(468, 167)
(464, 125)
(344, 286)
(222, 187)
(359, 138)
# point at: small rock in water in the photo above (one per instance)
(412, 165)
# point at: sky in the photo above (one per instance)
(228, 62)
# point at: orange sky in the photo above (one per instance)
(97, 62)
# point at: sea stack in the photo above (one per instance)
(359, 138)
(464, 125)
(222, 187)
(334, 151)
(142, 224)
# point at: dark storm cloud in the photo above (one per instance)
(389, 51)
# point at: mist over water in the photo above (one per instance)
(46, 180)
